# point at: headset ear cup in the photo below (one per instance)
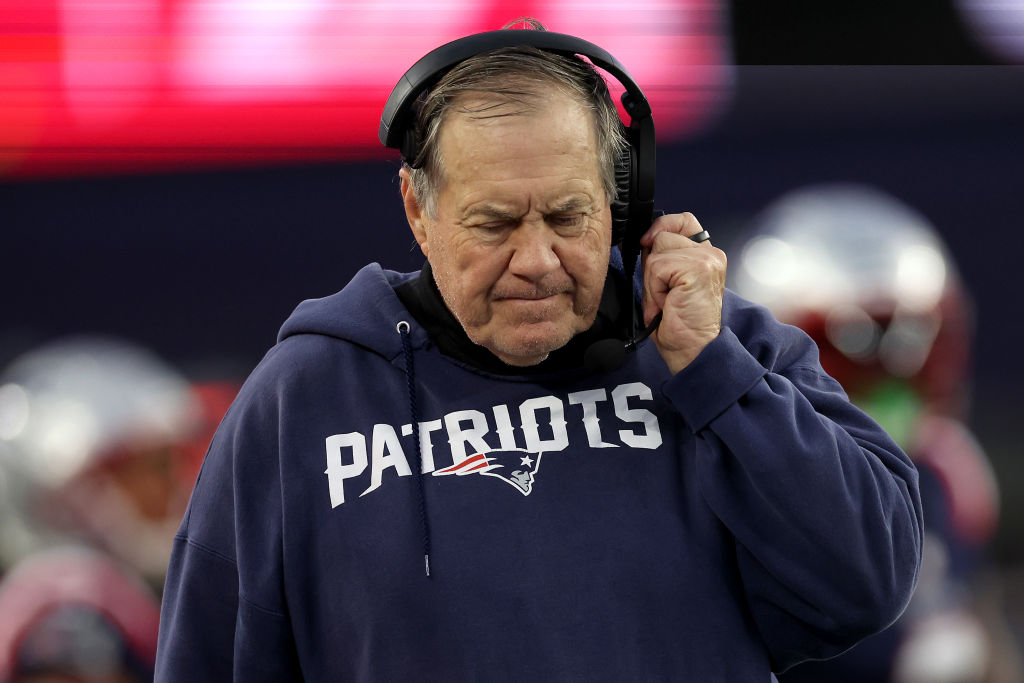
(411, 147)
(623, 183)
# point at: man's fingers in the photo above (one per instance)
(675, 261)
(685, 224)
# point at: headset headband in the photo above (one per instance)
(398, 111)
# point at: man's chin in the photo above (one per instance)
(528, 347)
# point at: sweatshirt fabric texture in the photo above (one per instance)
(715, 525)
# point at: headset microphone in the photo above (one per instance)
(608, 354)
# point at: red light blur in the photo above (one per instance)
(89, 87)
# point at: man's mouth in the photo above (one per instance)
(529, 296)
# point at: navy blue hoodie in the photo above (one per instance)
(715, 525)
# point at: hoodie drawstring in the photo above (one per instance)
(404, 330)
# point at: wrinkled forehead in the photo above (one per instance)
(541, 111)
(512, 94)
(549, 137)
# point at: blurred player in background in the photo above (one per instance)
(73, 615)
(870, 280)
(96, 446)
(100, 444)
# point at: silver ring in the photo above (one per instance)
(400, 325)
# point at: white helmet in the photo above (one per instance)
(90, 433)
(870, 279)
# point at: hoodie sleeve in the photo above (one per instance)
(217, 623)
(823, 505)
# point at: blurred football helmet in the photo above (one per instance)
(94, 434)
(871, 282)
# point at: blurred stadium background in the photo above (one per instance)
(181, 173)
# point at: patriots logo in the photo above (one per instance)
(516, 467)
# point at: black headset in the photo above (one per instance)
(633, 210)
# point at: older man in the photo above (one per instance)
(712, 509)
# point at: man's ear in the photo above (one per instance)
(414, 212)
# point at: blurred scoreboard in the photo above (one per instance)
(114, 86)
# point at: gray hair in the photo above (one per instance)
(518, 75)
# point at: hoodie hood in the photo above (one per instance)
(363, 312)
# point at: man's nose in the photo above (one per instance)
(533, 254)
